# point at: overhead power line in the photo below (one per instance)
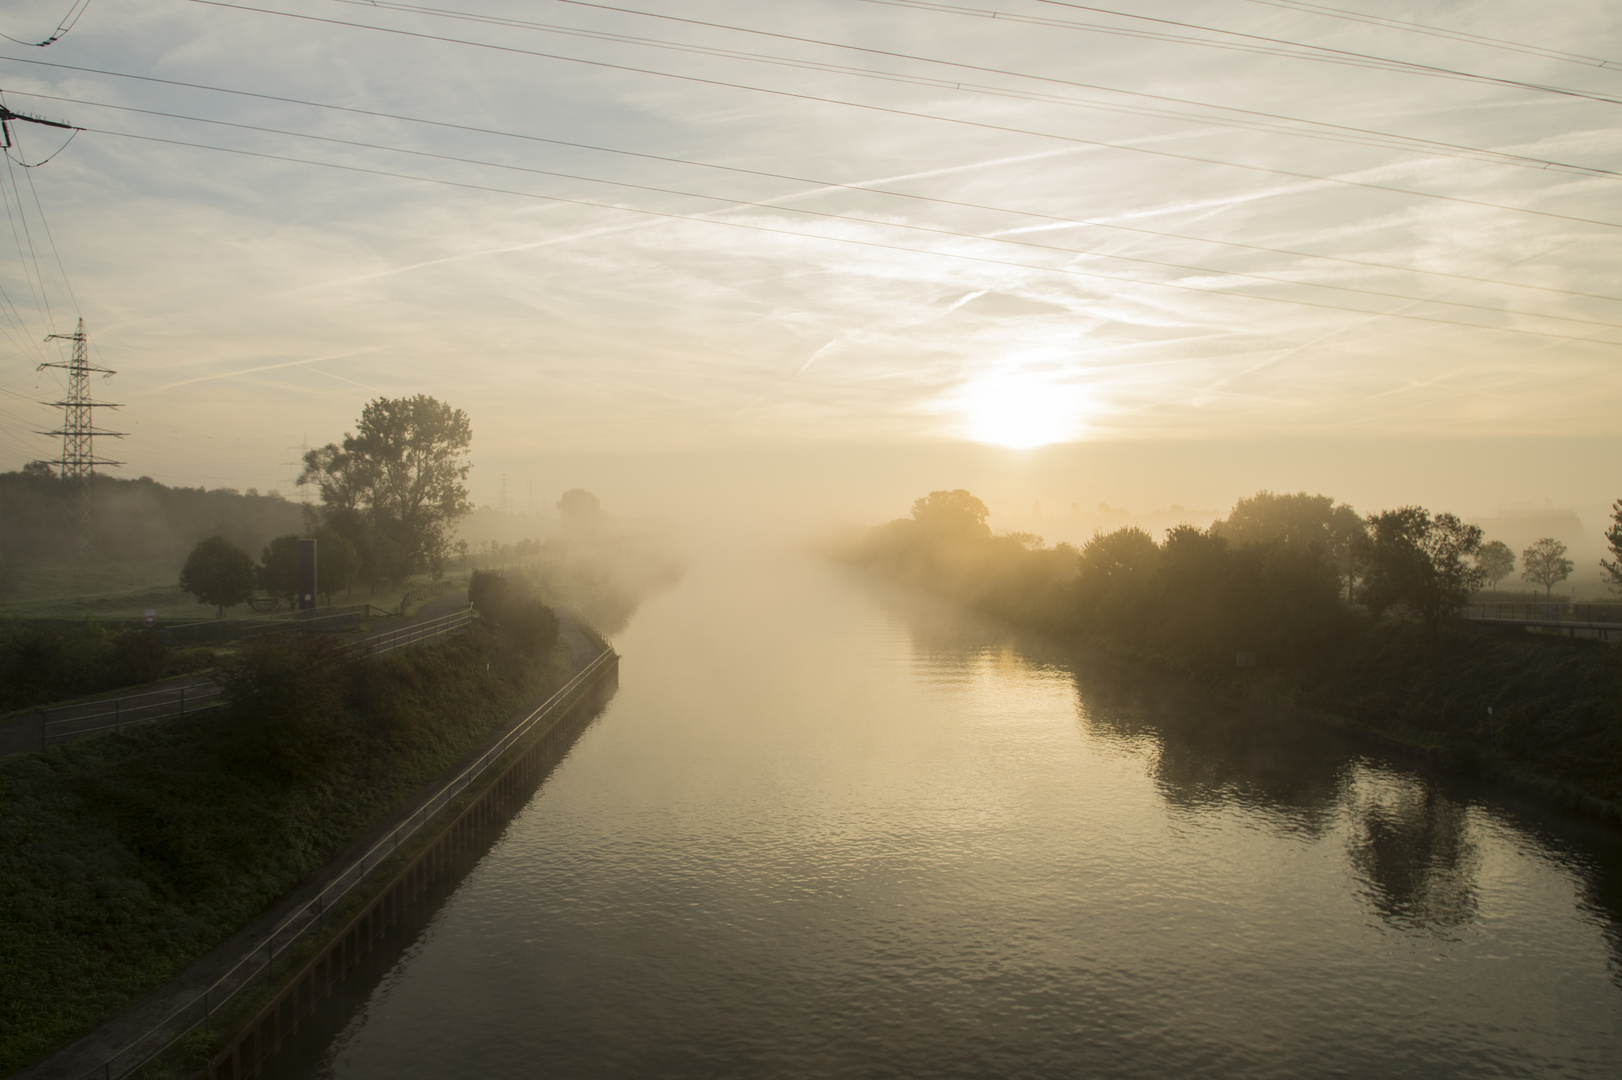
(777, 204)
(978, 124)
(1288, 50)
(819, 182)
(774, 230)
(68, 22)
(1438, 31)
(1333, 52)
(1315, 129)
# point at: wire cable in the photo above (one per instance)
(1565, 91)
(68, 22)
(1326, 131)
(978, 124)
(1372, 64)
(1438, 31)
(952, 233)
(833, 184)
(772, 230)
(46, 223)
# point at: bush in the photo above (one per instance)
(40, 663)
(508, 609)
(286, 694)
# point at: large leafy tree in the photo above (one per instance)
(218, 572)
(1297, 523)
(397, 485)
(1420, 561)
(1545, 563)
(951, 514)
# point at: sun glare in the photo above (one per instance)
(1019, 412)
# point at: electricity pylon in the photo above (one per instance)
(78, 461)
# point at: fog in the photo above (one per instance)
(1517, 489)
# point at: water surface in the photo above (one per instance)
(826, 829)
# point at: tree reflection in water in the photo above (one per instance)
(1408, 834)
(1411, 847)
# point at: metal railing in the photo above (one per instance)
(69, 721)
(390, 640)
(66, 722)
(311, 916)
(1556, 613)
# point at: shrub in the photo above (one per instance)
(286, 694)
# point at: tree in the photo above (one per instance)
(1495, 561)
(579, 512)
(403, 472)
(218, 572)
(1613, 539)
(337, 563)
(952, 513)
(1415, 560)
(344, 479)
(278, 569)
(1296, 522)
(1546, 564)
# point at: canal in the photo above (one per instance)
(829, 829)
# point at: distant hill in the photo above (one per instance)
(132, 520)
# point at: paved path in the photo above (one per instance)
(87, 1055)
(162, 699)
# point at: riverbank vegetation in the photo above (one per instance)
(125, 857)
(1256, 606)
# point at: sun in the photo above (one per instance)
(1019, 411)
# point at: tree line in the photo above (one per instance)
(1275, 575)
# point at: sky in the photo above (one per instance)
(836, 251)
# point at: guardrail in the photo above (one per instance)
(69, 721)
(1603, 619)
(390, 640)
(311, 917)
(66, 722)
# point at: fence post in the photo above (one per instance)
(118, 721)
(183, 703)
(42, 729)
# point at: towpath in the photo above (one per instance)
(87, 1056)
(162, 699)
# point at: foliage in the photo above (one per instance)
(1298, 522)
(952, 513)
(509, 609)
(277, 573)
(1546, 564)
(218, 572)
(41, 663)
(1496, 561)
(1416, 560)
(1613, 540)
(396, 486)
(580, 513)
(286, 694)
(337, 563)
(127, 857)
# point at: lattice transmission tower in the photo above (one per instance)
(78, 431)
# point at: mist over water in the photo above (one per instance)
(827, 829)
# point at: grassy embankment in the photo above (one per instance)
(1189, 604)
(123, 858)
